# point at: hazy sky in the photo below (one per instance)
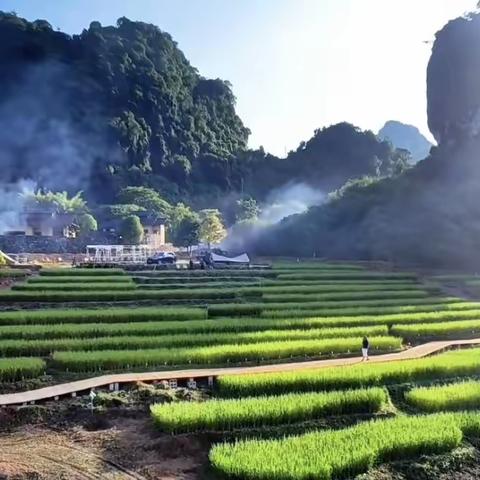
(295, 65)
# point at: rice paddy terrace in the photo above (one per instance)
(68, 325)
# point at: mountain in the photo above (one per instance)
(407, 137)
(113, 106)
(427, 215)
(120, 106)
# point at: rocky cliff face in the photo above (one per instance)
(453, 87)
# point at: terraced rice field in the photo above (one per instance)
(70, 323)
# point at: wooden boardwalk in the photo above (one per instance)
(115, 380)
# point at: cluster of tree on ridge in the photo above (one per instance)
(185, 226)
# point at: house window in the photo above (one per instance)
(155, 232)
(37, 231)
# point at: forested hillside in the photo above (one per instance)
(429, 214)
(120, 106)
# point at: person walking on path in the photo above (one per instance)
(365, 347)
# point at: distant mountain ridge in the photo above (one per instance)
(402, 135)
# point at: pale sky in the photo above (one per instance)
(295, 65)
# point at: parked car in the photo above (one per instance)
(162, 258)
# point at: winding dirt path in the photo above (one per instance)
(114, 380)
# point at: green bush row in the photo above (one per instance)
(107, 315)
(449, 364)
(81, 361)
(199, 295)
(75, 272)
(120, 295)
(73, 287)
(335, 454)
(295, 309)
(286, 265)
(41, 342)
(344, 275)
(180, 417)
(307, 289)
(457, 396)
(185, 274)
(342, 295)
(13, 369)
(80, 279)
(378, 307)
(12, 273)
(444, 329)
(295, 286)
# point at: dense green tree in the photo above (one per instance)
(132, 230)
(187, 232)
(247, 210)
(148, 199)
(59, 202)
(86, 223)
(212, 229)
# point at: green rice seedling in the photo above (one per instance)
(180, 324)
(388, 319)
(341, 295)
(337, 454)
(349, 295)
(445, 329)
(456, 396)
(446, 365)
(81, 361)
(195, 280)
(387, 307)
(185, 274)
(400, 281)
(36, 341)
(13, 369)
(344, 275)
(107, 315)
(80, 279)
(196, 286)
(200, 295)
(286, 265)
(75, 272)
(12, 273)
(73, 287)
(180, 417)
(240, 309)
(311, 289)
(240, 328)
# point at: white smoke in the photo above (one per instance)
(290, 199)
(12, 204)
